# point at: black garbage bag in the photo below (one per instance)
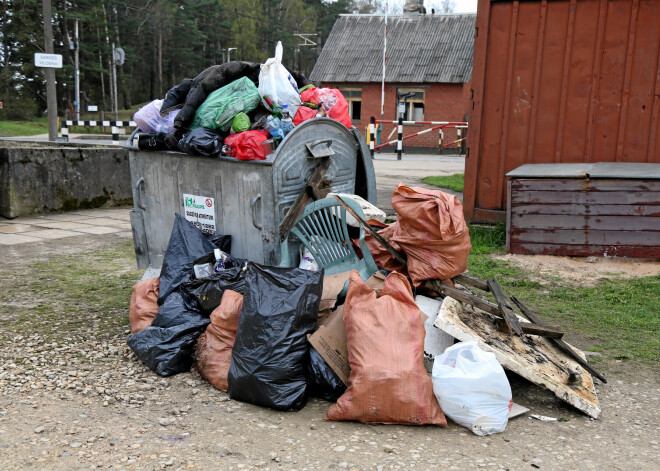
(202, 141)
(207, 292)
(187, 243)
(166, 346)
(151, 141)
(323, 381)
(268, 360)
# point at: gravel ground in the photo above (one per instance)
(73, 396)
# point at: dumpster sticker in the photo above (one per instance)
(200, 210)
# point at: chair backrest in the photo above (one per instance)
(322, 229)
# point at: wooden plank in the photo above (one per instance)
(592, 197)
(473, 300)
(582, 184)
(590, 209)
(298, 206)
(634, 251)
(500, 297)
(602, 223)
(400, 256)
(534, 358)
(473, 281)
(582, 237)
(566, 348)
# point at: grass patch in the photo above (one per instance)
(616, 317)
(24, 128)
(70, 296)
(452, 182)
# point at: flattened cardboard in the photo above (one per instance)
(330, 341)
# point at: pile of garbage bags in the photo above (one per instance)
(274, 336)
(238, 109)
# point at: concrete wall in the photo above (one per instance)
(41, 179)
(442, 102)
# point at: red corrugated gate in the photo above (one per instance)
(560, 81)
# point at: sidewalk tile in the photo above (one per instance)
(15, 228)
(67, 225)
(98, 230)
(13, 239)
(55, 234)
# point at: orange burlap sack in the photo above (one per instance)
(431, 230)
(144, 304)
(214, 346)
(388, 383)
(381, 256)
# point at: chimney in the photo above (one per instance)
(414, 7)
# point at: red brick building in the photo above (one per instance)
(429, 61)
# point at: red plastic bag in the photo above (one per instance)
(213, 349)
(144, 304)
(247, 145)
(388, 383)
(303, 115)
(431, 230)
(334, 103)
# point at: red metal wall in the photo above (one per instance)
(442, 102)
(560, 81)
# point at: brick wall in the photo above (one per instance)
(442, 102)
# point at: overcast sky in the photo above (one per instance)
(465, 6)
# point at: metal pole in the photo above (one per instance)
(382, 87)
(76, 56)
(399, 139)
(114, 79)
(51, 92)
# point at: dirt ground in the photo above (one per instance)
(81, 400)
(586, 271)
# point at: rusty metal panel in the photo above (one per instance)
(560, 81)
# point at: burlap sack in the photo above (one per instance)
(213, 349)
(388, 382)
(431, 230)
(144, 304)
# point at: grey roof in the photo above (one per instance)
(420, 49)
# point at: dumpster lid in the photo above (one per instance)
(629, 170)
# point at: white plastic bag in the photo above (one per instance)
(472, 389)
(276, 83)
(307, 261)
(148, 118)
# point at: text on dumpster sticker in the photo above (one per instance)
(200, 210)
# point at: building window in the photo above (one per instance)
(411, 103)
(354, 98)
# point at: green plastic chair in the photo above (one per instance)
(322, 229)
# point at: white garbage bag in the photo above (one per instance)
(472, 389)
(276, 83)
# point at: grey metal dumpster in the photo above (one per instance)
(246, 199)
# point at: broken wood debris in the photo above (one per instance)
(317, 187)
(566, 348)
(472, 299)
(505, 308)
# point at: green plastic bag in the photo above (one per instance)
(220, 107)
(241, 122)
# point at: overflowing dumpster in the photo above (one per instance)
(244, 199)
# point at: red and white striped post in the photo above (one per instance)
(399, 139)
(372, 136)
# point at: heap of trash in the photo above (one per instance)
(381, 320)
(239, 109)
